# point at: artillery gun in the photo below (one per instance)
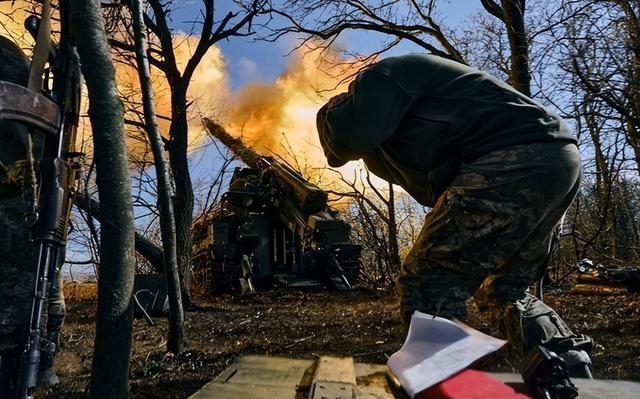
(273, 227)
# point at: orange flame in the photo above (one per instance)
(12, 17)
(208, 87)
(279, 118)
(273, 118)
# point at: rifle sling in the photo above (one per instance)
(20, 104)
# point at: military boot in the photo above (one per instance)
(530, 322)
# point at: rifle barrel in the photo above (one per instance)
(56, 187)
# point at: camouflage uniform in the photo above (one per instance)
(498, 169)
(489, 235)
(18, 253)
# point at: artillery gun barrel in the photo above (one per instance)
(251, 158)
(311, 198)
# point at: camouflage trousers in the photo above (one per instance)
(488, 236)
(18, 257)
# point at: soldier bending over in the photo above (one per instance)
(499, 171)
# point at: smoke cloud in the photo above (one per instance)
(273, 118)
(279, 117)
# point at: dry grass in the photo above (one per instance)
(80, 291)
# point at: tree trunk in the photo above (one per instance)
(604, 178)
(183, 200)
(632, 40)
(175, 342)
(394, 253)
(110, 370)
(633, 137)
(519, 75)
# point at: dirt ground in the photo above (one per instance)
(363, 324)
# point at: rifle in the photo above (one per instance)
(58, 173)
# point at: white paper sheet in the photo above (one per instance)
(436, 349)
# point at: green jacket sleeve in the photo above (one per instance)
(357, 122)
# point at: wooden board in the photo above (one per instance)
(334, 378)
(244, 391)
(335, 369)
(261, 377)
(589, 389)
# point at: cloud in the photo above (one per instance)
(247, 69)
(280, 117)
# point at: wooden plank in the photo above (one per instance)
(335, 369)
(590, 289)
(262, 370)
(335, 378)
(589, 389)
(272, 362)
(333, 390)
(217, 390)
(258, 377)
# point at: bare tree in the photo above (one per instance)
(372, 213)
(606, 59)
(112, 349)
(410, 20)
(596, 41)
(511, 13)
(162, 56)
(143, 246)
(175, 342)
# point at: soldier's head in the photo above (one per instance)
(14, 64)
(326, 135)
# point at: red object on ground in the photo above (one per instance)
(471, 384)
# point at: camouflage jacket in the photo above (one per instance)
(14, 68)
(414, 119)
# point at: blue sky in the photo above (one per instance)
(249, 61)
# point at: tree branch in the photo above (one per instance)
(147, 249)
(493, 8)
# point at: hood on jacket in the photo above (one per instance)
(332, 150)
